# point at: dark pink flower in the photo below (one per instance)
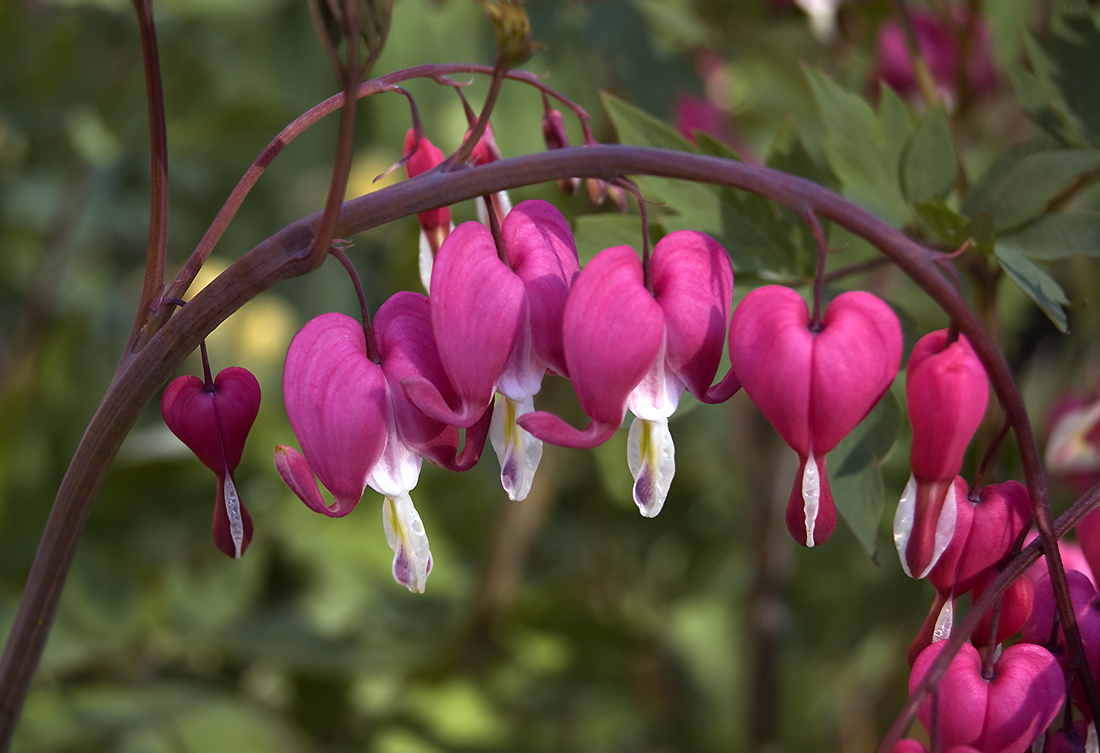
(1006, 712)
(214, 423)
(813, 386)
(939, 47)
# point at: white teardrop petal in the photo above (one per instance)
(903, 521)
(412, 557)
(811, 497)
(518, 451)
(651, 455)
(233, 510)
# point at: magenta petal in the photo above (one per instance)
(693, 284)
(946, 392)
(543, 254)
(213, 425)
(771, 349)
(612, 330)
(478, 308)
(295, 471)
(856, 357)
(336, 402)
(406, 345)
(551, 428)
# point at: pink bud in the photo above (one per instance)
(214, 424)
(946, 392)
(813, 386)
(1004, 712)
(435, 223)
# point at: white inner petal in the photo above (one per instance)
(233, 510)
(426, 260)
(944, 622)
(903, 521)
(945, 527)
(1092, 745)
(517, 450)
(811, 496)
(412, 557)
(651, 455)
(655, 397)
(398, 467)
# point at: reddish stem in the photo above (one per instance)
(157, 253)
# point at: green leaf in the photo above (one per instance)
(1074, 52)
(694, 206)
(858, 149)
(871, 441)
(1020, 185)
(595, 232)
(1057, 236)
(929, 166)
(789, 154)
(860, 499)
(759, 234)
(854, 475)
(1042, 103)
(945, 222)
(1037, 284)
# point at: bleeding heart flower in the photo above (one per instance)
(946, 392)
(486, 152)
(357, 429)
(813, 384)
(499, 327)
(984, 529)
(1005, 712)
(556, 137)
(435, 224)
(627, 347)
(213, 420)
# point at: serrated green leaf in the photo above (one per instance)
(896, 124)
(1021, 184)
(595, 232)
(1039, 99)
(929, 165)
(759, 234)
(1037, 284)
(945, 222)
(858, 150)
(789, 154)
(692, 206)
(1074, 52)
(1058, 236)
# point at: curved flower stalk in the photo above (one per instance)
(627, 347)
(435, 224)
(946, 392)
(498, 325)
(358, 430)
(213, 420)
(813, 385)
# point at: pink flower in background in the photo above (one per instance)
(213, 421)
(694, 113)
(939, 46)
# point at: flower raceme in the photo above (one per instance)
(498, 325)
(357, 429)
(946, 392)
(813, 384)
(213, 421)
(626, 347)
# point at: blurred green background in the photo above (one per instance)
(562, 623)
